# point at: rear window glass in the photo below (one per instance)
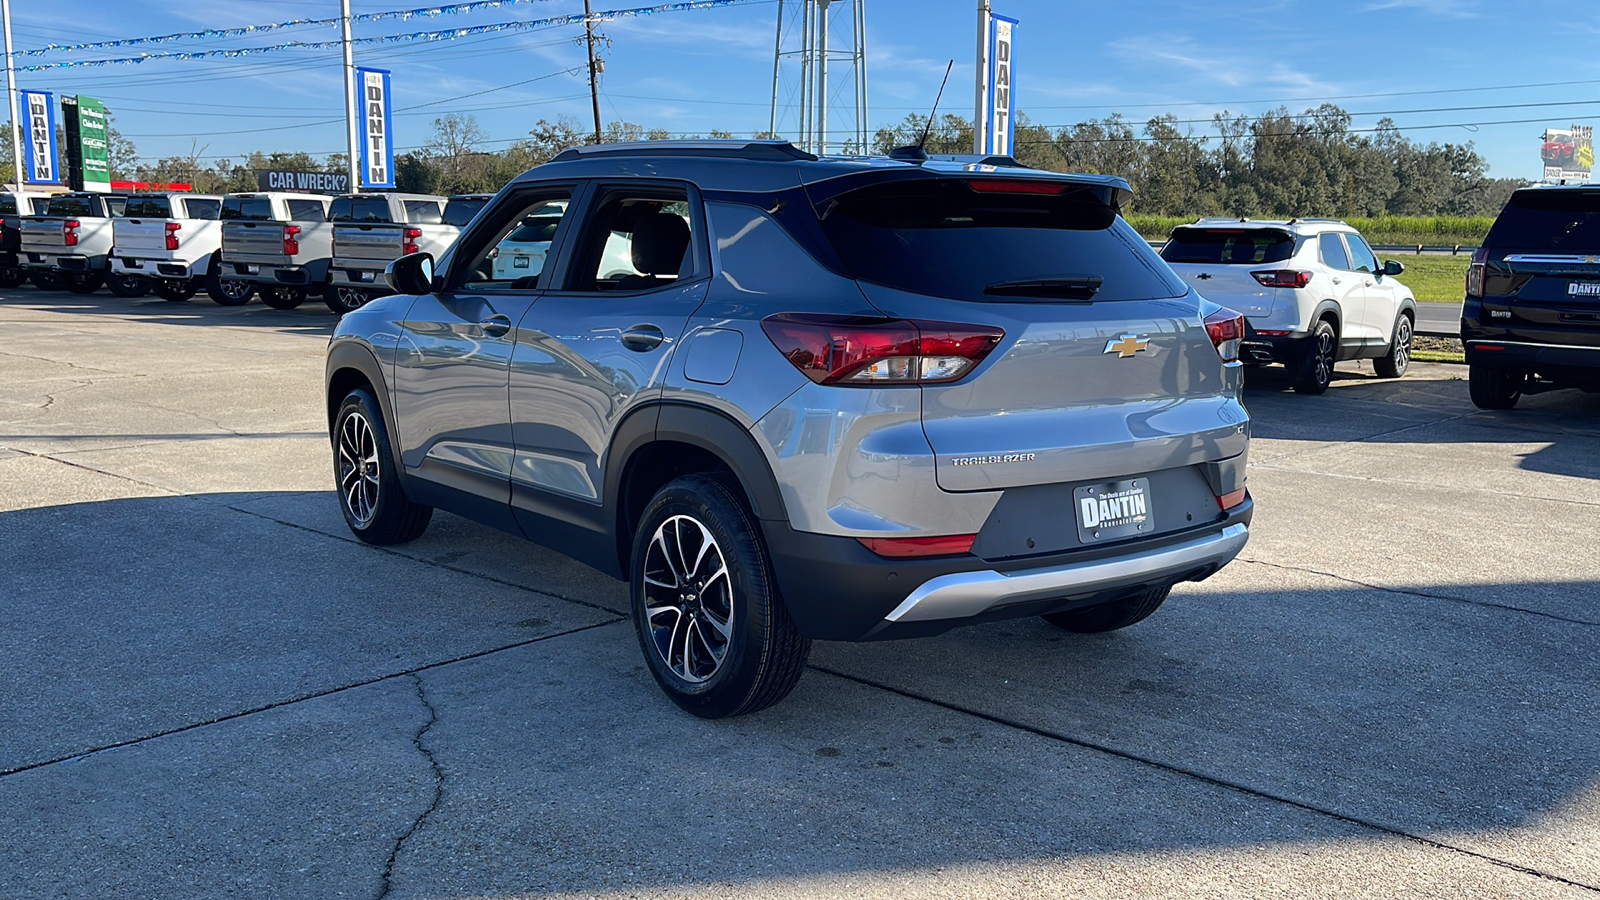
(460, 212)
(8, 204)
(423, 212)
(1228, 246)
(199, 208)
(1549, 220)
(148, 208)
(307, 211)
(71, 206)
(535, 230)
(946, 239)
(258, 209)
(359, 209)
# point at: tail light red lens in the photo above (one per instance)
(409, 245)
(860, 350)
(1287, 278)
(172, 234)
(1480, 259)
(1231, 499)
(902, 548)
(1226, 329)
(1018, 186)
(69, 232)
(291, 240)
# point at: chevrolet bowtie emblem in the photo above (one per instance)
(1127, 345)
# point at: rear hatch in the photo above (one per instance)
(364, 229)
(141, 232)
(1105, 369)
(1542, 266)
(1217, 262)
(250, 233)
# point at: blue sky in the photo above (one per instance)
(1425, 63)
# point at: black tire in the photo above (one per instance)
(12, 276)
(373, 500)
(225, 292)
(283, 297)
(1316, 365)
(45, 281)
(1111, 616)
(177, 290)
(1494, 388)
(342, 299)
(726, 597)
(83, 282)
(127, 285)
(1395, 363)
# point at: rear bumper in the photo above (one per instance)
(157, 267)
(836, 589)
(362, 273)
(310, 275)
(61, 262)
(1261, 349)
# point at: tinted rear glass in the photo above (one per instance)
(423, 212)
(71, 206)
(535, 230)
(198, 208)
(148, 208)
(1549, 220)
(257, 209)
(1225, 246)
(307, 211)
(460, 212)
(359, 209)
(945, 239)
(8, 204)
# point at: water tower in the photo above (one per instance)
(819, 76)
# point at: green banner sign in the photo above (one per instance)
(88, 163)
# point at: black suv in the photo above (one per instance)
(1531, 322)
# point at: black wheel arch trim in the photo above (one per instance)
(358, 357)
(1327, 306)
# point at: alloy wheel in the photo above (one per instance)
(1402, 345)
(235, 289)
(358, 468)
(1323, 363)
(688, 599)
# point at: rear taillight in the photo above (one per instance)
(1231, 499)
(291, 240)
(868, 351)
(409, 245)
(1288, 278)
(901, 548)
(69, 232)
(1226, 329)
(1480, 259)
(172, 235)
(1018, 186)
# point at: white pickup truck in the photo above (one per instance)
(68, 246)
(372, 230)
(274, 242)
(165, 241)
(13, 206)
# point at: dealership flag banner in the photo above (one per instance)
(377, 146)
(39, 137)
(1000, 101)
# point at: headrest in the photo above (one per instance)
(659, 240)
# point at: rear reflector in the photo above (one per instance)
(1286, 278)
(1264, 333)
(1226, 329)
(901, 548)
(1487, 347)
(863, 350)
(1018, 187)
(1231, 499)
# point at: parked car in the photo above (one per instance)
(165, 241)
(1311, 290)
(69, 245)
(1531, 320)
(13, 206)
(277, 243)
(372, 230)
(829, 399)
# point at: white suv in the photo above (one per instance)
(1311, 290)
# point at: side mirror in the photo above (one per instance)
(410, 274)
(1392, 268)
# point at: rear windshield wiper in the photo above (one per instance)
(1065, 287)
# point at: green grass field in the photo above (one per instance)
(1433, 279)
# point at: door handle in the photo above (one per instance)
(495, 325)
(642, 338)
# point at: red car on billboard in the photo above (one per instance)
(1558, 148)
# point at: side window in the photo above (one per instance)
(307, 211)
(1333, 253)
(515, 258)
(201, 208)
(423, 212)
(1361, 255)
(635, 240)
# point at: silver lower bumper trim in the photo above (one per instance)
(963, 594)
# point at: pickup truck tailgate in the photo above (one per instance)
(254, 242)
(40, 235)
(139, 237)
(377, 242)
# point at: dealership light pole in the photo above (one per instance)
(350, 104)
(11, 94)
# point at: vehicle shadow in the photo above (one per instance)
(311, 316)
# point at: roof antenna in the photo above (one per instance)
(919, 153)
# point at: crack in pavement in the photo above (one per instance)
(438, 787)
(61, 362)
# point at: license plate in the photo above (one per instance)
(252, 270)
(1583, 289)
(1113, 509)
(132, 263)
(519, 262)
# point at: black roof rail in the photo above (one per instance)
(758, 151)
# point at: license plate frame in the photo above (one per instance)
(1110, 510)
(1583, 289)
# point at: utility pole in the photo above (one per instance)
(11, 92)
(980, 110)
(594, 68)
(351, 106)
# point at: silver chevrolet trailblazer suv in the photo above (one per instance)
(791, 398)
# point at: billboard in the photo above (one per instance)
(1567, 153)
(302, 182)
(39, 138)
(377, 150)
(88, 162)
(999, 104)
